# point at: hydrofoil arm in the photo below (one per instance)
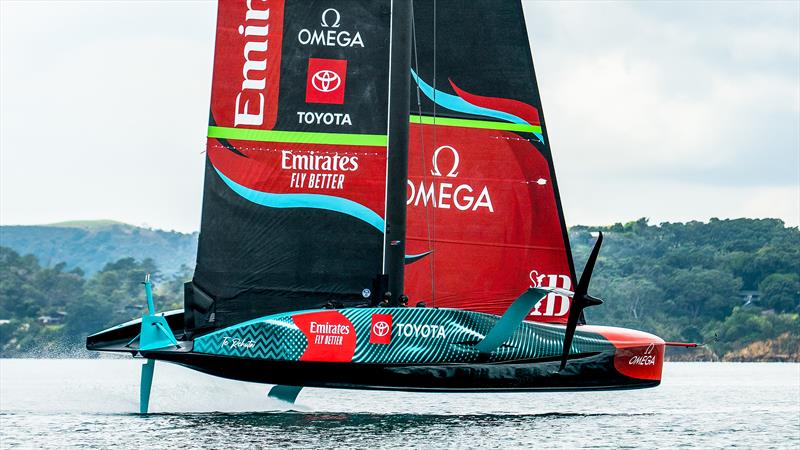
(285, 393)
(513, 317)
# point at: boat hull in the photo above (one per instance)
(412, 349)
(594, 372)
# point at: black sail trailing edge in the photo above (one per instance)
(294, 195)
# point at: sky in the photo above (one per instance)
(674, 111)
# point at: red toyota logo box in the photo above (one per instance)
(381, 329)
(326, 80)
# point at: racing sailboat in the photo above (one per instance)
(381, 211)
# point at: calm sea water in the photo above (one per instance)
(92, 404)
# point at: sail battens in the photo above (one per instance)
(469, 123)
(484, 243)
(298, 137)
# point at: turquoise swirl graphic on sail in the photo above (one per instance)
(456, 103)
(318, 201)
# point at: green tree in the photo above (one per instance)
(780, 291)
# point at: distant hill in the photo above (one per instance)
(734, 284)
(91, 244)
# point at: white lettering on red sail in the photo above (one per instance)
(247, 63)
(311, 161)
(256, 34)
(476, 200)
(444, 195)
(553, 305)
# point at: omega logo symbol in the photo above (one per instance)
(380, 329)
(326, 81)
(452, 174)
(336, 15)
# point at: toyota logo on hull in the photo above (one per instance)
(381, 330)
(326, 81)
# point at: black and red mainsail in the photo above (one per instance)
(294, 211)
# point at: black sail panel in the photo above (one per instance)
(294, 196)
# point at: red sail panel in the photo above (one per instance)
(356, 174)
(483, 201)
(247, 63)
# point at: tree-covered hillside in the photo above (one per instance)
(49, 311)
(91, 244)
(736, 279)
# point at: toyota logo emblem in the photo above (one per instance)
(380, 329)
(326, 81)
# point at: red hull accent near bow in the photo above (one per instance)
(638, 355)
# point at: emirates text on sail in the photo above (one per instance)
(255, 31)
(317, 163)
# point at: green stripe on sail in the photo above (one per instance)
(299, 137)
(469, 123)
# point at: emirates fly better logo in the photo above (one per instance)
(326, 81)
(381, 330)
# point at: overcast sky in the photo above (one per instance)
(673, 111)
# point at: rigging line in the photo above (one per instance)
(433, 255)
(422, 144)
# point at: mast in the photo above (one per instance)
(397, 161)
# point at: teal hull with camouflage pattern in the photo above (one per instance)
(416, 336)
